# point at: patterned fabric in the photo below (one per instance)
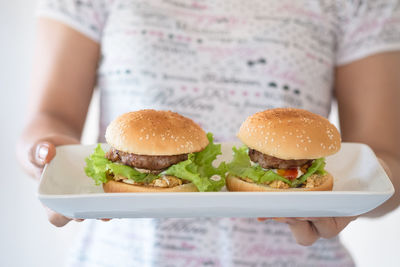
(200, 242)
(218, 62)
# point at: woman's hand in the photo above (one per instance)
(39, 154)
(63, 78)
(308, 230)
(42, 152)
(36, 156)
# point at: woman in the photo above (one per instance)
(216, 62)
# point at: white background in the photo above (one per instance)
(26, 238)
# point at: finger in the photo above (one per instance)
(303, 231)
(44, 150)
(262, 219)
(41, 153)
(105, 220)
(58, 220)
(331, 226)
(78, 220)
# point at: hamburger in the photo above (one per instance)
(156, 151)
(284, 150)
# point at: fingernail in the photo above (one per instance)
(42, 150)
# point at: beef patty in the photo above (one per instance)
(144, 161)
(270, 162)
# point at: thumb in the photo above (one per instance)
(44, 150)
(42, 153)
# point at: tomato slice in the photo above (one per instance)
(290, 174)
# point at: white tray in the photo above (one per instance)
(360, 185)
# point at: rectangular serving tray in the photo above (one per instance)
(360, 185)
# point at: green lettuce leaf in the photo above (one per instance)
(240, 166)
(317, 166)
(97, 167)
(199, 170)
(130, 173)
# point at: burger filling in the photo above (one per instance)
(148, 165)
(159, 171)
(165, 181)
(253, 166)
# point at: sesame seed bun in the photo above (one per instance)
(236, 184)
(289, 133)
(153, 132)
(119, 187)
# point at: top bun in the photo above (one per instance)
(289, 133)
(152, 132)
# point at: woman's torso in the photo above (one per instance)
(216, 62)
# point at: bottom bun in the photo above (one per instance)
(236, 184)
(119, 187)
